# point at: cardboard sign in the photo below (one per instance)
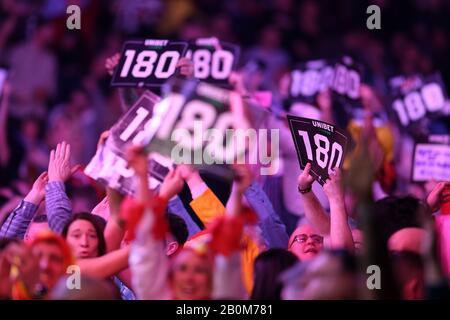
(195, 125)
(320, 143)
(213, 60)
(431, 162)
(109, 165)
(148, 62)
(341, 76)
(416, 98)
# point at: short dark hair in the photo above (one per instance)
(267, 268)
(395, 213)
(97, 222)
(178, 228)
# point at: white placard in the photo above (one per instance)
(431, 162)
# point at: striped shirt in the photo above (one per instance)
(59, 211)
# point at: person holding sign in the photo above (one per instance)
(320, 224)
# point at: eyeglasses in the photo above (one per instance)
(302, 238)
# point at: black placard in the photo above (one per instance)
(148, 62)
(213, 60)
(320, 143)
(416, 98)
(341, 76)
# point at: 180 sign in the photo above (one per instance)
(320, 143)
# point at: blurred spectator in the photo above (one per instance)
(33, 73)
(74, 122)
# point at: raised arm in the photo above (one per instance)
(149, 263)
(126, 95)
(115, 225)
(340, 232)
(314, 211)
(205, 203)
(148, 260)
(17, 223)
(435, 197)
(227, 240)
(273, 229)
(58, 205)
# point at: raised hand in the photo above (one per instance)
(435, 197)
(243, 177)
(172, 184)
(333, 186)
(102, 209)
(189, 174)
(186, 171)
(111, 63)
(59, 165)
(305, 180)
(237, 81)
(102, 139)
(37, 192)
(186, 67)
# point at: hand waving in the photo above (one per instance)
(59, 165)
(111, 63)
(172, 184)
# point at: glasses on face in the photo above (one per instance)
(302, 238)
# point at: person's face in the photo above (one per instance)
(191, 278)
(34, 229)
(82, 239)
(305, 243)
(51, 262)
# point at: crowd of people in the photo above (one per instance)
(281, 236)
